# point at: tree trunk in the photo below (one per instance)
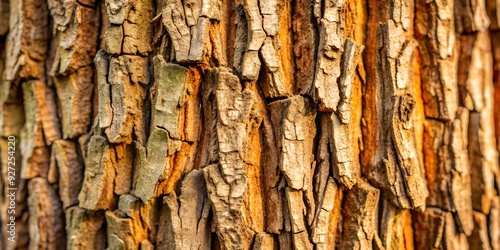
(250, 124)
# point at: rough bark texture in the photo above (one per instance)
(251, 124)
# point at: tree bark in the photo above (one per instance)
(250, 124)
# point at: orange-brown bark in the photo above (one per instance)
(250, 124)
